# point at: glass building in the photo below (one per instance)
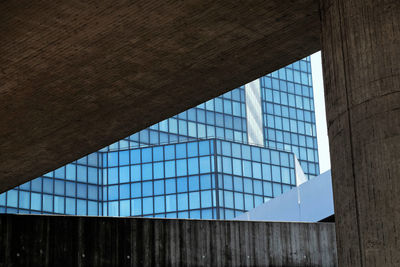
(213, 161)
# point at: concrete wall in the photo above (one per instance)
(103, 241)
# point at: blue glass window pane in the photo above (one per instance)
(113, 208)
(158, 170)
(36, 201)
(81, 190)
(146, 155)
(206, 214)
(182, 184)
(239, 204)
(180, 151)
(193, 165)
(112, 159)
(159, 204)
(124, 174)
(171, 203)
(147, 171)
(204, 148)
(246, 152)
(59, 204)
(147, 205)
(236, 151)
(284, 159)
(248, 185)
(136, 190)
(47, 185)
(205, 199)
(123, 157)
(92, 159)
(159, 187)
(267, 189)
(276, 174)
(205, 164)
(183, 215)
(170, 168)
(285, 175)
(158, 153)
(60, 173)
(192, 129)
(124, 191)
(227, 165)
(24, 198)
(169, 152)
(136, 172)
(255, 153)
(205, 181)
(3, 199)
(237, 167)
(228, 199)
(135, 156)
(238, 184)
(47, 203)
(113, 175)
(92, 192)
(136, 207)
(275, 157)
(183, 201)
(247, 168)
(257, 187)
(193, 183)
(170, 186)
(181, 168)
(226, 148)
(92, 175)
(182, 127)
(70, 189)
(71, 174)
(256, 170)
(125, 208)
(104, 160)
(113, 192)
(70, 206)
(194, 198)
(248, 202)
(147, 189)
(192, 149)
(228, 182)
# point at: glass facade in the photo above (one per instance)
(288, 111)
(196, 164)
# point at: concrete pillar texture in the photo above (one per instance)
(361, 63)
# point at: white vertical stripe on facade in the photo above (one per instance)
(255, 135)
(300, 176)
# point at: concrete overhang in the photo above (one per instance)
(76, 76)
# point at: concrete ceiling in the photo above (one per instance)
(76, 76)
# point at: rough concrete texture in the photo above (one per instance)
(100, 241)
(76, 76)
(361, 62)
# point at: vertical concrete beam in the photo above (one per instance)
(361, 63)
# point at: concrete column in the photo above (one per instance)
(361, 63)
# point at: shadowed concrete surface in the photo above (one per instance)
(76, 76)
(361, 62)
(99, 241)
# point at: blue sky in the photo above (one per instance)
(320, 115)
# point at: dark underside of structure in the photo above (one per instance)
(77, 76)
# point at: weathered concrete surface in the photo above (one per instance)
(76, 76)
(101, 241)
(361, 62)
